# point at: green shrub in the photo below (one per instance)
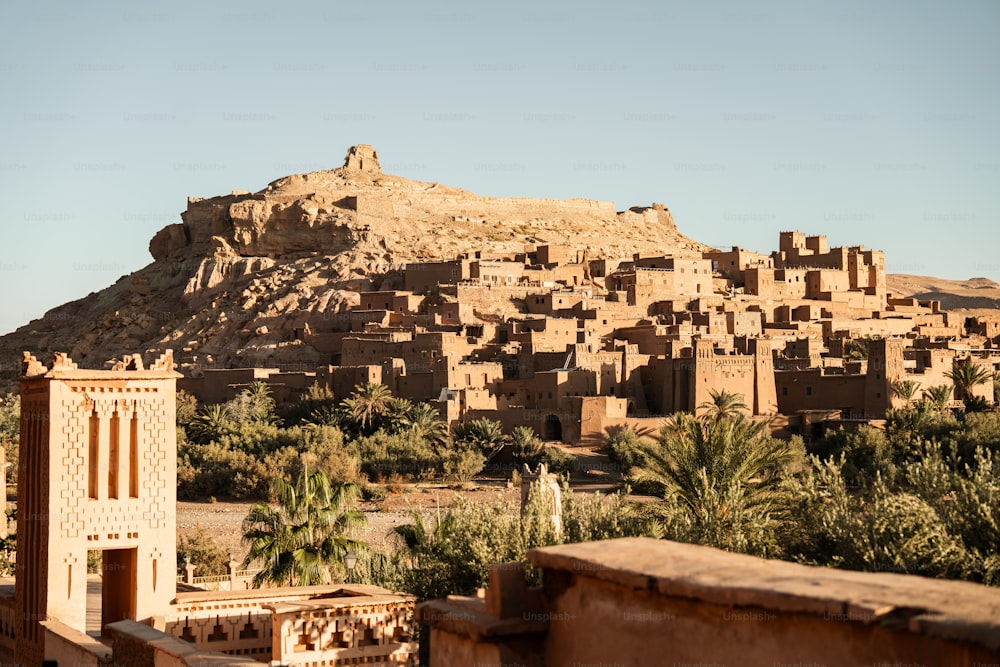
(8, 548)
(462, 464)
(866, 452)
(558, 461)
(623, 447)
(187, 408)
(375, 492)
(206, 555)
(214, 469)
(451, 553)
(382, 454)
(876, 529)
(10, 432)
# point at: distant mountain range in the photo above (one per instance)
(975, 294)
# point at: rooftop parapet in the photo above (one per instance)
(639, 601)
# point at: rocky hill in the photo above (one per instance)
(973, 295)
(232, 283)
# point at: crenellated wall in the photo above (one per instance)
(280, 623)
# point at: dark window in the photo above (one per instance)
(784, 391)
(809, 391)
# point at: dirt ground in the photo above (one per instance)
(223, 520)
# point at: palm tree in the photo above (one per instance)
(966, 375)
(939, 395)
(723, 475)
(856, 350)
(485, 435)
(905, 389)
(326, 415)
(396, 411)
(212, 422)
(528, 447)
(367, 404)
(424, 420)
(299, 542)
(261, 401)
(723, 404)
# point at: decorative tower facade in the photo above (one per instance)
(97, 473)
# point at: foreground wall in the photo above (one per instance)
(639, 601)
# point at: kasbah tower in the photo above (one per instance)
(100, 446)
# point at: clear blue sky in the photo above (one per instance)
(875, 123)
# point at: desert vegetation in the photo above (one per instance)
(920, 496)
(235, 449)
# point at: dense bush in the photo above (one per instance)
(623, 445)
(529, 450)
(924, 498)
(865, 452)
(452, 553)
(462, 464)
(316, 398)
(875, 530)
(384, 454)
(204, 553)
(243, 462)
(10, 432)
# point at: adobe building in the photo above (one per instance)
(731, 264)
(858, 391)
(651, 279)
(689, 381)
(561, 324)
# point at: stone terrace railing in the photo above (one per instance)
(242, 622)
(233, 580)
(138, 644)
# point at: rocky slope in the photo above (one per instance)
(232, 283)
(975, 294)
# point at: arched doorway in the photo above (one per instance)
(553, 428)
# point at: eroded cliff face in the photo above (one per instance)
(239, 278)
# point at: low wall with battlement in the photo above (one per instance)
(137, 644)
(244, 623)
